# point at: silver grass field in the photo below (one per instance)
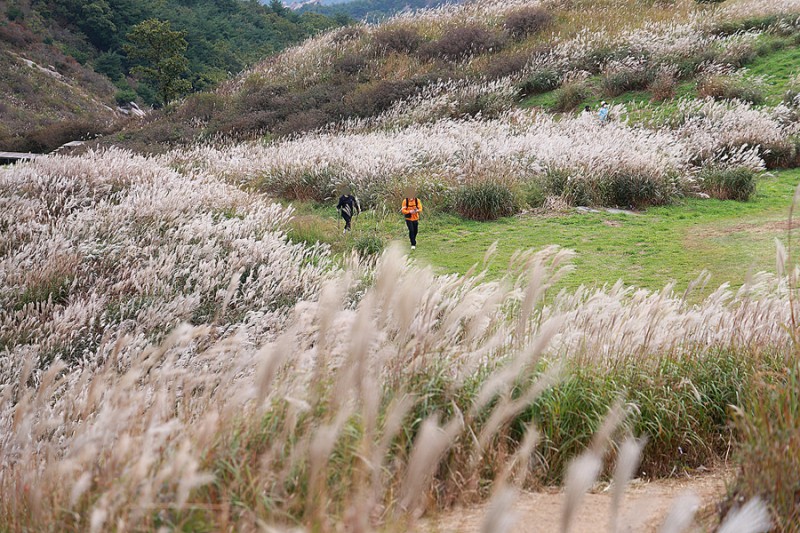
(170, 360)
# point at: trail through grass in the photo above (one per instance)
(649, 249)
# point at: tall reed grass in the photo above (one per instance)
(311, 396)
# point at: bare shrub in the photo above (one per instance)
(201, 106)
(258, 95)
(301, 121)
(350, 64)
(49, 138)
(376, 97)
(460, 42)
(664, 84)
(729, 87)
(397, 39)
(347, 34)
(525, 21)
(505, 64)
(16, 34)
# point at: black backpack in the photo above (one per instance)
(408, 205)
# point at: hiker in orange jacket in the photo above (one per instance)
(412, 207)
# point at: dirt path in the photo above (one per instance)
(645, 507)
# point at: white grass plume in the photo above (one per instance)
(500, 517)
(681, 513)
(628, 457)
(752, 517)
(581, 475)
(429, 445)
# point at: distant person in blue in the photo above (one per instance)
(348, 207)
(603, 113)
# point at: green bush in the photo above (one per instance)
(624, 189)
(784, 153)
(681, 408)
(791, 97)
(539, 82)
(125, 96)
(310, 230)
(555, 180)
(737, 183)
(485, 200)
(570, 96)
(621, 80)
(368, 244)
(534, 193)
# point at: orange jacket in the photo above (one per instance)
(412, 207)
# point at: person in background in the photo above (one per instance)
(412, 207)
(348, 207)
(603, 113)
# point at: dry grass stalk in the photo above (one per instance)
(581, 476)
(681, 513)
(628, 458)
(500, 518)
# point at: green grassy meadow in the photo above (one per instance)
(649, 249)
(773, 67)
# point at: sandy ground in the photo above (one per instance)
(645, 507)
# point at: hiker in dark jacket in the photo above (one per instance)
(348, 207)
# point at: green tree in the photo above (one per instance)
(161, 52)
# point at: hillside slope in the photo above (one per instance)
(481, 59)
(67, 66)
(47, 97)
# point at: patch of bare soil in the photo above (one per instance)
(777, 227)
(644, 509)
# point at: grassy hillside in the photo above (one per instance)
(47, 97)
(67, 66)
(362, 71)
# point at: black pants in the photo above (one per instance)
(346, 218)
(413, 227)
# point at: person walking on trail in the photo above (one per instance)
(348, 207)
(411, 209)
(603, 113)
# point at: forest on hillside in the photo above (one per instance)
(224, 36)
